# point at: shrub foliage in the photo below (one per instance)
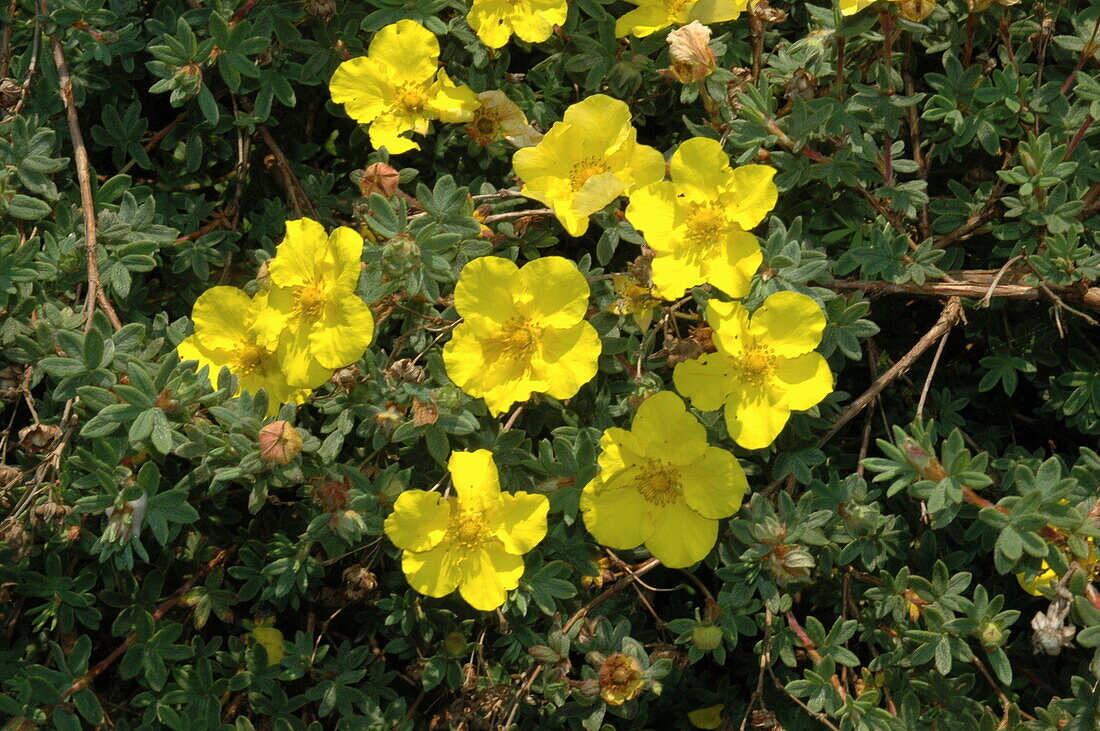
(915, 550)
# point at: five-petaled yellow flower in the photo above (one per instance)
(523, 331)
(398, 87)
(765, 367)
(653, 15)
(473, 542)
(226, 334)
(698, 224)
(495, 21)
(312, 307)
(663, 485)
(586, 161)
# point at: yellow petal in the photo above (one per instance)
(536, 25)
(475, 479)
(452, 103)
(488, 574)
(666, 430)
(551, 292)
(220, 317)
(709, 12)
(566, 359)
(343, 332)
(738, 259)
(409, 49)
(388, 131)
(419, 520)
(652, 210)
(673, 275)
(522, 521)
(646, 165)
(362, 86)
(681, 536)
(490, 20)
(729, 322)
(296, 360)
(789, 323)
(706, 381)
(702, 165)
(642, 21)
(484, 290)
(805, 380)
(715, 485)
(755, 416)
(433, 573)
(300, 257)
(616, 517)
(752, 195)
(594, 195)
(343, 257)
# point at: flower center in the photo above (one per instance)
(585, 169)
(756, 364)
(519, 338)
(706, 224)
(249, 359)
(468, 529)
(409, 98)
(674, 7)
(659, 482)
(309, 301)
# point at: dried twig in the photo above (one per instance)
(96, 294)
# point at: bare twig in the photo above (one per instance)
(532, 213)
(294, 189)
(950, 315)
(931, 372)
(96, 295)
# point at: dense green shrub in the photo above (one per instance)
(914, 552)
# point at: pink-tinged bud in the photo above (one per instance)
(926, 464)
(279, 442)
(378, 178)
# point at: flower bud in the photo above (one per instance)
(706, 637)
(991, 636)
(454, 643)
(620, 679)
(126, 521)
(279, 442)
(263, 277)
(347, 524)
(378, 178)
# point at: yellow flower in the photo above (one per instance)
(653, 15)
(764, 369)
(226, 334)
(586, 161)
(662, 484)
(271, 639)
(698, 224)
(498, 118)
(633, 298)
(707, 718)
(312, 306)
(398, 87)
(473, 542)
(1048, 577)
(620, 679)
(523, 331)
(495, 21)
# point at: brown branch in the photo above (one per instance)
(977, 284)
(950, 315)
(974, 221)
(293, 186)
(811, 650)
(96, 294)
(87, 678)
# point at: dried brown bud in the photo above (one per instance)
(8, 475)
(322, 10)
(263, 277)
(801, 85)
(11, 381)
(424, 412)
(378, 178)
(359, 581)
(50, 512)
(765, 12)
(279, 442)
(917, 10)
(11, 92)
(39, 437)
(691, 54)
(347, 377)
(14, 535)
(408, 371)
(331, 496)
